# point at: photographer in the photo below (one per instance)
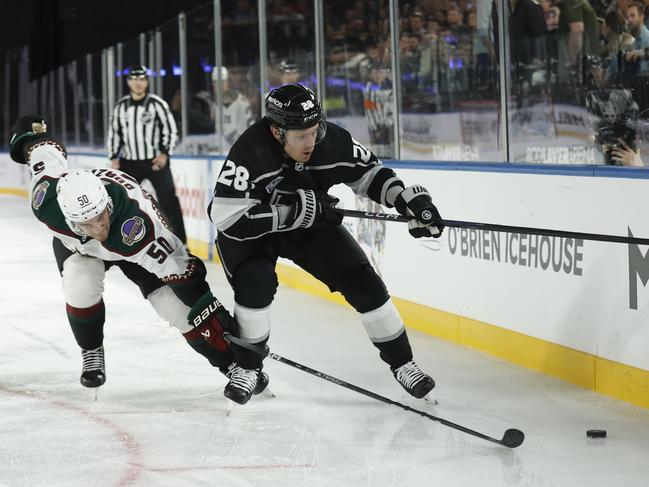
(616, 126)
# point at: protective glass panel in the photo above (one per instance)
(450, 101)
(242, 92)
(201, 110)
(358, 91)
(580, 79)
(169, 71)
(291, 44)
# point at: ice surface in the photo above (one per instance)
(160, 419)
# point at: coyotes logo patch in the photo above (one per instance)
(38, 195)
(133, 230)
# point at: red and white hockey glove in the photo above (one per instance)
(210, 319)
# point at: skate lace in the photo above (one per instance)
(93, 359)
(244, 379)
(409, 374)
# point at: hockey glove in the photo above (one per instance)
(415, 202)
(313, 210)
(27, 130)
(210, 319)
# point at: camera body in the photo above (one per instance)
(615, 135)
(615, 113)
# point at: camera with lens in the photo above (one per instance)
(615, 112)
(617, 135)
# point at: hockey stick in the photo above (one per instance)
(501, 228)
(511, 439)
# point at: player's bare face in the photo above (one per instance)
(97, 228)
(137, 86)
(299, 144)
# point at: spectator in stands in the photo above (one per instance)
(454, 20)
(527, 29)
(635, 23)
(622, 6)
(551, 13)
(409, 58)
(237, 111)
(416, 23)
(611, 30)
(579, 35)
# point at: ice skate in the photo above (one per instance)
(93, 373)
(413, 380)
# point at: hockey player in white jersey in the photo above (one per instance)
(102, 218)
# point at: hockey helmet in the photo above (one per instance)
(295, 107)
(223, 72)
(26, 129)
(137, 71)
(82, 196)
(287, 66)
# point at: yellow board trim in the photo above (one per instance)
(199, 248)
(604, 376)
(15, 191)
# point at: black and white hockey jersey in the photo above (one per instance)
(257, 173)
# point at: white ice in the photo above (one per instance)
(160, 419)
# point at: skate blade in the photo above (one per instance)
(91, 393)
(267, 392)
(230, 408)
(430, 400)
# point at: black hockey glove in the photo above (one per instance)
(27, 130)
(313, 210)
(415, 202)
(210, 319)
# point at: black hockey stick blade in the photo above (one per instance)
(502, 228)
(511, 439)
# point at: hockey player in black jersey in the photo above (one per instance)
(271, 200)
(100, 219)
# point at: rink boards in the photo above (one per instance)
(577, 310)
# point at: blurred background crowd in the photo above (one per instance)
(547, 82)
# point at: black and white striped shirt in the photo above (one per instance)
(139, 130)
(377, 103)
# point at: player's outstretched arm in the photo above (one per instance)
(31, 144)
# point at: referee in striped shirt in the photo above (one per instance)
(141, 136)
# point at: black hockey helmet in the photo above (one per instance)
(26, 129)
(295, 107)
(287, 66)
(137, 71)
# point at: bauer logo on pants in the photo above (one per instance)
(133, 230)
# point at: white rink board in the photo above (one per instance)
(586, 303)
(586, 308)
(12, 176)
(194, 184)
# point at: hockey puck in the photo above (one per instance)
(596, 433)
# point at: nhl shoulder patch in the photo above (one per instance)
(133, 230)
(38, 196)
